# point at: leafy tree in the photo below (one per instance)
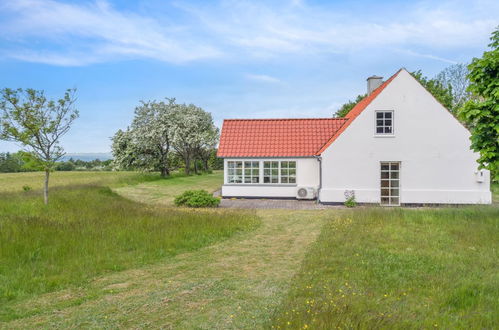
(441, 92)
(193, 133)
(146, 144)
(455, 77)
(29, 118)
(482, 112)
(11, 162)
(345, 108)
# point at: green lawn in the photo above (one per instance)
(162, 192)
(398, 268)
(94, 259)
(88, 230)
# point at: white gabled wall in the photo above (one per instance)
(307, 175)
(437, 165)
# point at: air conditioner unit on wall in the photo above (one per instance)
(305, 193)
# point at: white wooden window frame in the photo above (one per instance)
(251, 172)
(383, 125)
(287, 173)
(244, 172)
(390, 183)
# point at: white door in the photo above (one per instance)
(390, 183)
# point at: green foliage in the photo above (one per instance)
(350, 198)
(196, 198)
(29, 118)
(482, 113)
(443, 93)
(88, 230)
(398, 269)
(161, 134)
(11, 162)
(345, 108)
(26, 188)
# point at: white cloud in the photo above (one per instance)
(95, 32)
(79, 34)
(263, 78)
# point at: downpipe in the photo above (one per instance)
(319, 159)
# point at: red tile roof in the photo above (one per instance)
(287, 137)
(276, 137)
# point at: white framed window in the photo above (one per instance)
(384, 122)
(390, 183)
(271, 172)
(288, 172)
(234, 172)
(252, 172)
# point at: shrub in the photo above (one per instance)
(350, 198)
(26, 188)
(196, 198)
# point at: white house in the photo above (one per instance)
(398, 145)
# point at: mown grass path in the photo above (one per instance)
(234, 284)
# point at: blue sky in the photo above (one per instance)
(235, 59)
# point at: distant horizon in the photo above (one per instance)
(244, 59)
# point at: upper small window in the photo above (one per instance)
(384, 122)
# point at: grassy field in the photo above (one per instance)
(14, 182)
(162, 192)
(379, 268)
(94, 259)
(88, 230)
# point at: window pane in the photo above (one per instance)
(247, 171)
(394, 192)
(284, 171)
(394, 183)
(379, 115)
(385, 175)
(379, 129)
(275, 164)
(247, 164)
(388, 115)
(385, 167)
(292, 171)
(384, 192)
(266, 172)
(394, 201)
(394, 166)
(284, 164)
(385, 183)
(255, 172)
(388, 122)
(292, 164)
(284, 179)
(239, 171)
(394, 175)
(292, 180)
(388, 129)
(275, 172)
(266, 179)
(275, 180)
(255, 179)
(379, 122)
(231, 164)
(384, 200)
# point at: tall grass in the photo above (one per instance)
(89, 230)
(379, 268)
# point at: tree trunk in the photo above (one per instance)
(46, 188)
(165, 172)
(188, 165)
(205, 163)
(195, 166)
